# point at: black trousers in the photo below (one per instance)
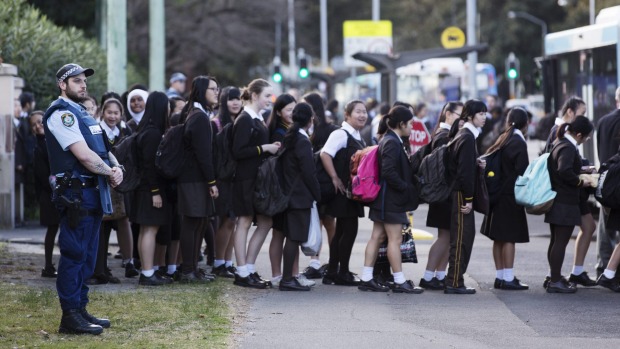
(462, 234)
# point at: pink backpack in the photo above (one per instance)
(365, 185)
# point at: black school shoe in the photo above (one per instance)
(459, 290)
(222, 271)
(312, 273)
(154, 280)
(435, 284)
(561, 286)
(546, 282)
(248, 281)
(582, 279)
(131, 271)
(373, 286)
(611, 284)
(514, 285)
(497, 284)
(347, 279)
(292, 285)
(258, 278)
(49, 272)
(407, 287)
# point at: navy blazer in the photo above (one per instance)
(298, 161)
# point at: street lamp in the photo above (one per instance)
(535, 20)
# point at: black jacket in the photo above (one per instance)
(564, 166)
(248, 135)
(440, 138)
(199, 145)
(398, 191)
(462, 163)
(298, 161)
(608, 135)
(148, 142)
(514, 163)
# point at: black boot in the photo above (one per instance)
(73, 322)
(105, 323)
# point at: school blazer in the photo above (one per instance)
(564, 165)
(298, 161)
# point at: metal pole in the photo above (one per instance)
(278, 39)
(592, 11)
(324, 56)
(472, 57)
(375, 9)
(116, 18)
(157, 49)
(292, 59)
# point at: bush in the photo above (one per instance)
(39, 48)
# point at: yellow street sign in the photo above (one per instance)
(367, 28)
(452, 37)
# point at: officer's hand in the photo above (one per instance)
(157, 202)
(117, 176)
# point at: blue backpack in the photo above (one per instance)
(533, 189)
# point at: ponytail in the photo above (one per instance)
(517, 119)
(581, 124)
(302, 115)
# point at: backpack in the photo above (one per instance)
(223, 159)
(170, 156)
(608, 188)
(364, 167)
(493, 175)
(126, 152)
(533, 189)
(419, 155)
(269, 196)
(435, 186)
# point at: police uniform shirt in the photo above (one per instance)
(338, 140)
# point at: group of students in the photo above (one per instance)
(167, 220)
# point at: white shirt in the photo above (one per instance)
(444, 126)
(572, 140)
(303, 132)
(518, 132)
(472, 128)
(111, 133)
(65, 127)
(559, 121)
(199, 106)
(338, 139)
(16, 121)
(252, 113)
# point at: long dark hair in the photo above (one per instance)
(517, 119)
(470, 109)
(316, 102)
(393, 118)
(155, 112)
(448, 107)
(581, 124)
(200, 84)
(276, 118)
(223, 114)
(302, 114)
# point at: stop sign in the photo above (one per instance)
(419, 135)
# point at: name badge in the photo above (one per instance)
(95, 129)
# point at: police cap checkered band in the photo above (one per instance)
(72, 69)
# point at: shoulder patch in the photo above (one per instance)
(67, 119)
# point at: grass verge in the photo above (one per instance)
(184, 316)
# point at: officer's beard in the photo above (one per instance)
(74, 96)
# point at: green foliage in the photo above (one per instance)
(39, 48)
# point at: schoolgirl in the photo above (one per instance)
(397, 196)
(196, 187)
(250, 147)
(297, 162)
(506, 223)
(136, 102)
(230, 107)
(335, 156)
(150, 207)
(462, 164)
(564, 166)
(439, 213)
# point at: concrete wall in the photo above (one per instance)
(10, 89)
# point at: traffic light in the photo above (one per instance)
(303, 68)
(513, 71)
(277, 75)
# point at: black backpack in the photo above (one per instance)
(269, 196)
(126, 152)
(419, 155)
(435, 185)
(608, 188)
(170, 156)
(493, 175)
(223, 159)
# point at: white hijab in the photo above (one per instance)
(144, 95)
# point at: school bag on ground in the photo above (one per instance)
(126, 152)
(170, 156)
(533, 189)
(223, 159)
(608, 188)
(435, 185)
(493, 175)
(364, 168)
(269, 196)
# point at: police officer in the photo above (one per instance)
(83, 167)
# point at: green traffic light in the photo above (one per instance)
(303, 73)
(277, 77)
(512, 73)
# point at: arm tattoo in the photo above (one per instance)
(101, 168)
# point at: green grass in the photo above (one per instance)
(187, 316)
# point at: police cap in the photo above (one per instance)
(72, 69)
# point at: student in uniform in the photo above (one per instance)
(398, 195)
(462, 169)
(230, 107)
(564, 166)
(136, 103)
(335, 156)
(250, 147)
(439, 213)
(150, 207)
(196, 186)
(506, 223)
(608, 277)
(299, 179)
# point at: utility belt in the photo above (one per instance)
(73, 203)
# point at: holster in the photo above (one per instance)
(73, 206)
